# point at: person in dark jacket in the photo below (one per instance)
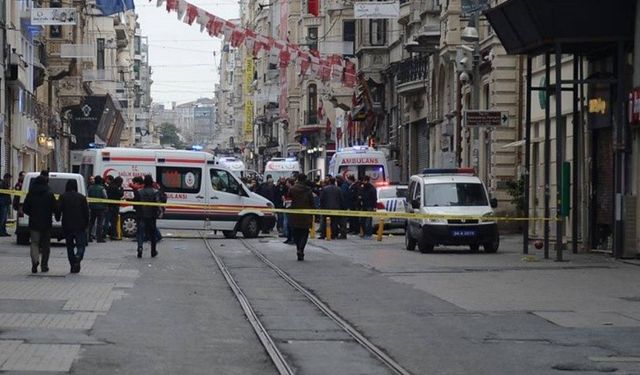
(114, 192)
(331, 199)
(148, 213)
(343, 220)
(353, 203)
(97, 209)
(301, 198)
(74, 211)
(5, 204)
(40, 205)
(368, 199)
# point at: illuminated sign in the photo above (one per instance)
(634, 106)
(597, 105)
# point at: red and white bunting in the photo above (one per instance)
(280, 52)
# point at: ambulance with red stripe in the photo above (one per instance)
(360, 161)
(218, 199)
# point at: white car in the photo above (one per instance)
(392, 198)
(57, 183)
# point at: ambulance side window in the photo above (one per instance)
(223, 181)
(180, 179)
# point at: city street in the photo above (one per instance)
(450, 312)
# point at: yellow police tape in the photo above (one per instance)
(322, 212)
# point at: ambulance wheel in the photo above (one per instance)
(492, 247)
(129, 225)
(409, 242)
(249, 227)
(22, 238)
(229, 233)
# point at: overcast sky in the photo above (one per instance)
(182, 58)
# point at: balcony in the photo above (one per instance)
(412, 75)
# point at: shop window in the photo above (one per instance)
(180, 179)
(100, 54)
(349, 34)
(312, 38)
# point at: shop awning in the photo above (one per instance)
(535, 26)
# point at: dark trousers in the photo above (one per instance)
(113, 220)
(354, 224)
(75, 240)
(300, 237)
(4, 213)
(97, 218)
(150, 232)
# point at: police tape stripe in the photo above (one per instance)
(319, 212)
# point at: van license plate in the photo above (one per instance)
(463, 233)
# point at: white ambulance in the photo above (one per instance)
(282, 167)
(360, 161)
(235, 165)
(188, 178)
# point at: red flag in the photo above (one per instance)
(328, 128)
(285, 56)
(325, 73)
(215, 26)
(339, 134)
(237, 37)
(172, 5)
(192, 13)
(257, 45)
(314, 7)
(304, 66)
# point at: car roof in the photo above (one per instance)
(395, 187)
(55, 175)
(441, 179)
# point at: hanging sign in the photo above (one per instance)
(53, 16)
(376, 9)
(634, 106)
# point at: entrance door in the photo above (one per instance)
(225, 200)
(602, 188)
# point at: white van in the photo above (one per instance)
(235, 165)
(57, 183)
(282, 167)
(450, 192)
(188, 178)
(360, 161)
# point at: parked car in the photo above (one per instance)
(57, 183)
(392, 198)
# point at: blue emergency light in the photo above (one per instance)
(449, 171)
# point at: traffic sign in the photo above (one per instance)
(486, 118)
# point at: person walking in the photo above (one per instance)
(346, 205)
(148, 214)
(40, 205)
(5, 204)
(369, 198)
(331, 199)
(114, 192)
(288, 232)
(97, 209)
(301, 198)
(18, 187)
(73, 209)
(353, 197)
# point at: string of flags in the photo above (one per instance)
(334, 68)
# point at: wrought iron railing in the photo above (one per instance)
(412, 69)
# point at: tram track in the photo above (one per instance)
(277, 357)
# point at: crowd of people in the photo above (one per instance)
(330, 193)
(84, 221)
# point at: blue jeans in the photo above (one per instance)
(4, 213)
(77, 240)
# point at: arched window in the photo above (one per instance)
(312, 104)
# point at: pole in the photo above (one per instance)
(475, 94)
(619, 152)
(547, 151)
(574, 173)
(559, 153)
(527, 161)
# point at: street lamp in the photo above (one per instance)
(471, 36)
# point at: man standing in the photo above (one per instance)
(40, 204)
(148, 213)
(369, 198)
(74, 210)
(5, 204)
(331, 199)
(301, 198)
(18, 187)
(114, 192)
(353, 204)
(97, 209)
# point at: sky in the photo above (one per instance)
(182, 59)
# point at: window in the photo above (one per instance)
(312, 37)
(223, 181)
(377, 32)
(454, 194)
(100, 54)
(55, 31)
(312, 105)
(349, 34)
(180, 179)
(136, 45)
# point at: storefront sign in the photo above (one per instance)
(53, 16)
(376, 9)
(634, 106)
(597, 105)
